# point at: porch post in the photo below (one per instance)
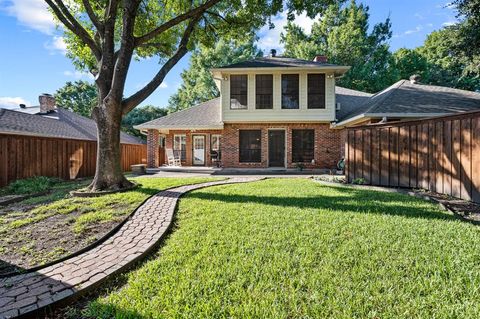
(152, 148)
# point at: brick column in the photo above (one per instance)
(152, 148)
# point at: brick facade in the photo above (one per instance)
(152, 148)
(329, 144)
(327, 150)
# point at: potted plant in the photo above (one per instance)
(300, 166)
(341, 166)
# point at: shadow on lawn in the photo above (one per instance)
(371, 202)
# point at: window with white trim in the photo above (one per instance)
(180, 146)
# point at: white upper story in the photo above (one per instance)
(278, 89)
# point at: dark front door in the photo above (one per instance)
(276, 148)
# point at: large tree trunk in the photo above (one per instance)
(108, 174)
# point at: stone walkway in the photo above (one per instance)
(29, 294)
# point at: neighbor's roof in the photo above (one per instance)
(205, 115)
(59, 123)
(280, 62)
(404, 99)
(349, 100)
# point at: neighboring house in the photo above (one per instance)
(48, 120)
(277, 112)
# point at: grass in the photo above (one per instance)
(292, 248)
(33, 231)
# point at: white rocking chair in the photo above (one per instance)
(171, 159)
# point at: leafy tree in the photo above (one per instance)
(409, 62)
(446, 65)
(342, 33)
(198, 85)
(469, 30)
(141, 115)
(78, 96)
(103, 36)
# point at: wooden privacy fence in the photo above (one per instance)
(439, 154)
(27, 156)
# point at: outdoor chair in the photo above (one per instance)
(215, 156)
(172, 160)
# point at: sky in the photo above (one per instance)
(33, 61)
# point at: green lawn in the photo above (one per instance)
(292, 248)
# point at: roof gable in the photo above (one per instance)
(205, 115)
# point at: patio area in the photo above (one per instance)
(210, 170)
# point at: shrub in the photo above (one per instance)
(31, 185)
(359, 181)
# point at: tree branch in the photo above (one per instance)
(62, 13)
(93, 17)
(125, 53)
(109, 56)
(131, 102)
(175, 21)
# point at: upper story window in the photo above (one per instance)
(238, 91)
(290, 96)
(316, 91)
(264, 91)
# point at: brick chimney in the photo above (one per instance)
(47, 103)
(320, 58)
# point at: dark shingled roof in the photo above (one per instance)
(59, 123)
(277, 62)
(404, 97)
(205, 115)
(350, 100)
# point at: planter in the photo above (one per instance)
(139, 169)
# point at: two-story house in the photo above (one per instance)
(277, 112)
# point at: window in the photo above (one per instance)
(303, 145)
(215, 141)
(316, 91)
(161, 141)
(290, 91)
(238, 91)
(250, 146)
(264, 91)
(180, 146)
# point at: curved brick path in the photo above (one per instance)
(23, 295)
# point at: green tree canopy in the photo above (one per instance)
(446, 65)
(409, 62)
(468, 41)
(141, 115)
(78, 96)
(197, 82)
(342, 33)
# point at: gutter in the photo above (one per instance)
(356, 118)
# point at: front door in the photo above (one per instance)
(276, 148)
(198, 150)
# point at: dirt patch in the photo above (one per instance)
(47, 240)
